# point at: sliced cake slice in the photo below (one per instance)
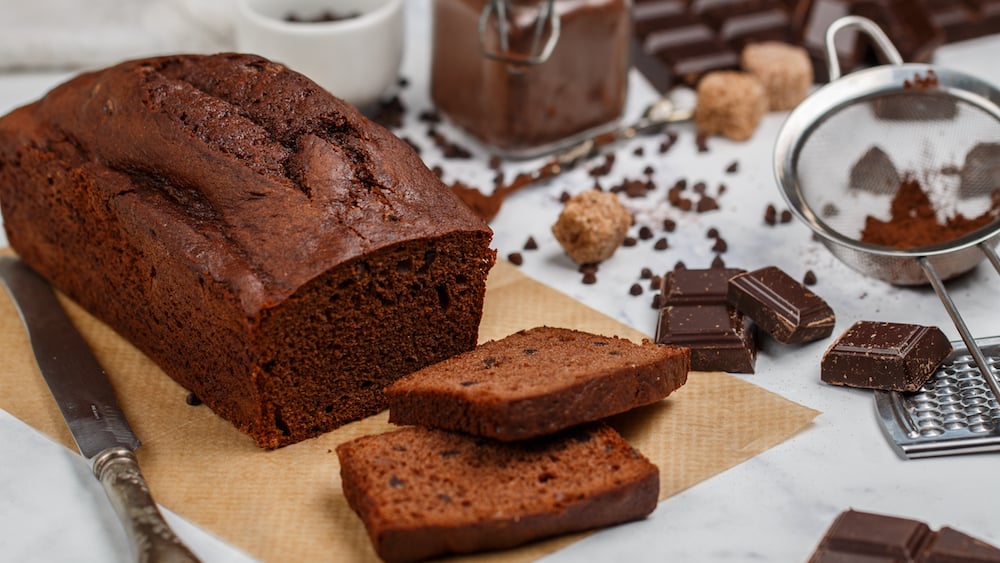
(537, 382)
(423, 492)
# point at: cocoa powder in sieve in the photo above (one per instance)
(913, 221)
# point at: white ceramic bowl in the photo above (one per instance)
(356, 59)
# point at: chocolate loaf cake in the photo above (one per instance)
(271, 249)
(536, 382)
(423, 493)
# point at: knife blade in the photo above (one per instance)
(87, 401)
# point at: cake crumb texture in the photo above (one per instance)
(536, 382)
(423, 493)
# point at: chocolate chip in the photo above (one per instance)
(396, 482)
(515, 258)
(646, 274)
(530, 244)
(438, 171)
(490, 362)
(786, 216)
(564, 197)
(655, 282)
(192, 399)
(720, 245)
(712, 233)
(669, 225)
(809, 278)
(589, 278)
(706, 203)
(636, 289)
(661, 244)
(770, 215)
(733, 167)
(680, 265)
(629, 241)
(587, 268)
(648, 170)
(701, 141)
(429, 116)
(699, 187)
(657, 301)
(638, 151)
(645, 233)
(717, 262)
(830, 210)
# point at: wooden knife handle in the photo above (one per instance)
(152, 538)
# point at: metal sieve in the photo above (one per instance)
(841, 154)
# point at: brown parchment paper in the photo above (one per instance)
(287, 505)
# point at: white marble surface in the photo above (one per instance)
(773, 507)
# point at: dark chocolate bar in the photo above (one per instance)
(981, 171)
(694, 314)
(781, 305)
(856, 537)
(678, 41)
(952, 546)
(874, 172)
(880, 537)
(883, 355)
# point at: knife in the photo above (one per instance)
(87, 401)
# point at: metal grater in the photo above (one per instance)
(953, 413)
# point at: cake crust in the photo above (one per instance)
(270, 248)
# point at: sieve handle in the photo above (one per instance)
(970, 342)
(866, 26)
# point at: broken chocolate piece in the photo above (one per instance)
(864, 536)
(874, 172)
(884, 355)
(981, 171)
(781, 306)
(952, 546)
(857, 536)
(695, 314)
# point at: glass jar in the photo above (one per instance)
(525, 110)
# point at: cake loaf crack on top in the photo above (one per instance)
(270, 248)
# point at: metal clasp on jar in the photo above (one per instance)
(548, 19)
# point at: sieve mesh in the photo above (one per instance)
(851, 164)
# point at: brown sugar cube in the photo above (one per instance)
(730, 103)
(785, 71)
(591, 226)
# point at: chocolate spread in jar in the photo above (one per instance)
(531, 109)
